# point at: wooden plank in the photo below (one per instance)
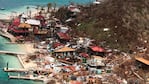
(143, 60)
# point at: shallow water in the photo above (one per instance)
(10, 4)
(12, 61)
(16, 7)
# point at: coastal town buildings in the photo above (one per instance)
(70, 60)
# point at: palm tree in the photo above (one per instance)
(54, 6)
(37, 8)
(49, 5)
(42, 9)
(27, 10)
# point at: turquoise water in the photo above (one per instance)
(13, 62)
(5, 45)
(16, 7)
(9, 4)
(20, 6)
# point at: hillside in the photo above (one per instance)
(127, 21)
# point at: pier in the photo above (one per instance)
(15, 70)
(11, 52)
(27, 78)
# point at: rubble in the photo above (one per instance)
(72, 53)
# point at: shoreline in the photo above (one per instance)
(21, 61)
(28, 49)
(8, 12)
(22, 57)
(5, 20)
(8, 15)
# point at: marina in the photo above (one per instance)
(72, 44)
(14, 70)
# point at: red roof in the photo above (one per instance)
(84, 55)
(75, 82)
(97, 48)
(63, 36)
(10, 26)
(20, 31)
(39, 17)
(56, 44)
(16, 21)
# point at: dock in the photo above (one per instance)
(27, 78)
(15, 70)
(11, 52)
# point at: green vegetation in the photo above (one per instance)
(127, 21)
(49, 5)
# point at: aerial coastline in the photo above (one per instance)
(70, 45)
(28, 47)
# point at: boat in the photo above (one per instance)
(2, 8)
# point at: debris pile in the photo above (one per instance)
(126, 21)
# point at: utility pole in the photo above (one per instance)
(7, 66)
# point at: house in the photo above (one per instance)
(63, 29)
(57, 44)
(83, 56)
(63, 37)
(96, 50)
(96, 61)
(66, 54)
(16, 22)
(21, 29)
(64, 51)
(96, 2)
(33, 22)
(41, 19)
(73, 8)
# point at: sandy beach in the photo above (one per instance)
(10, 14)
(29, 49)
